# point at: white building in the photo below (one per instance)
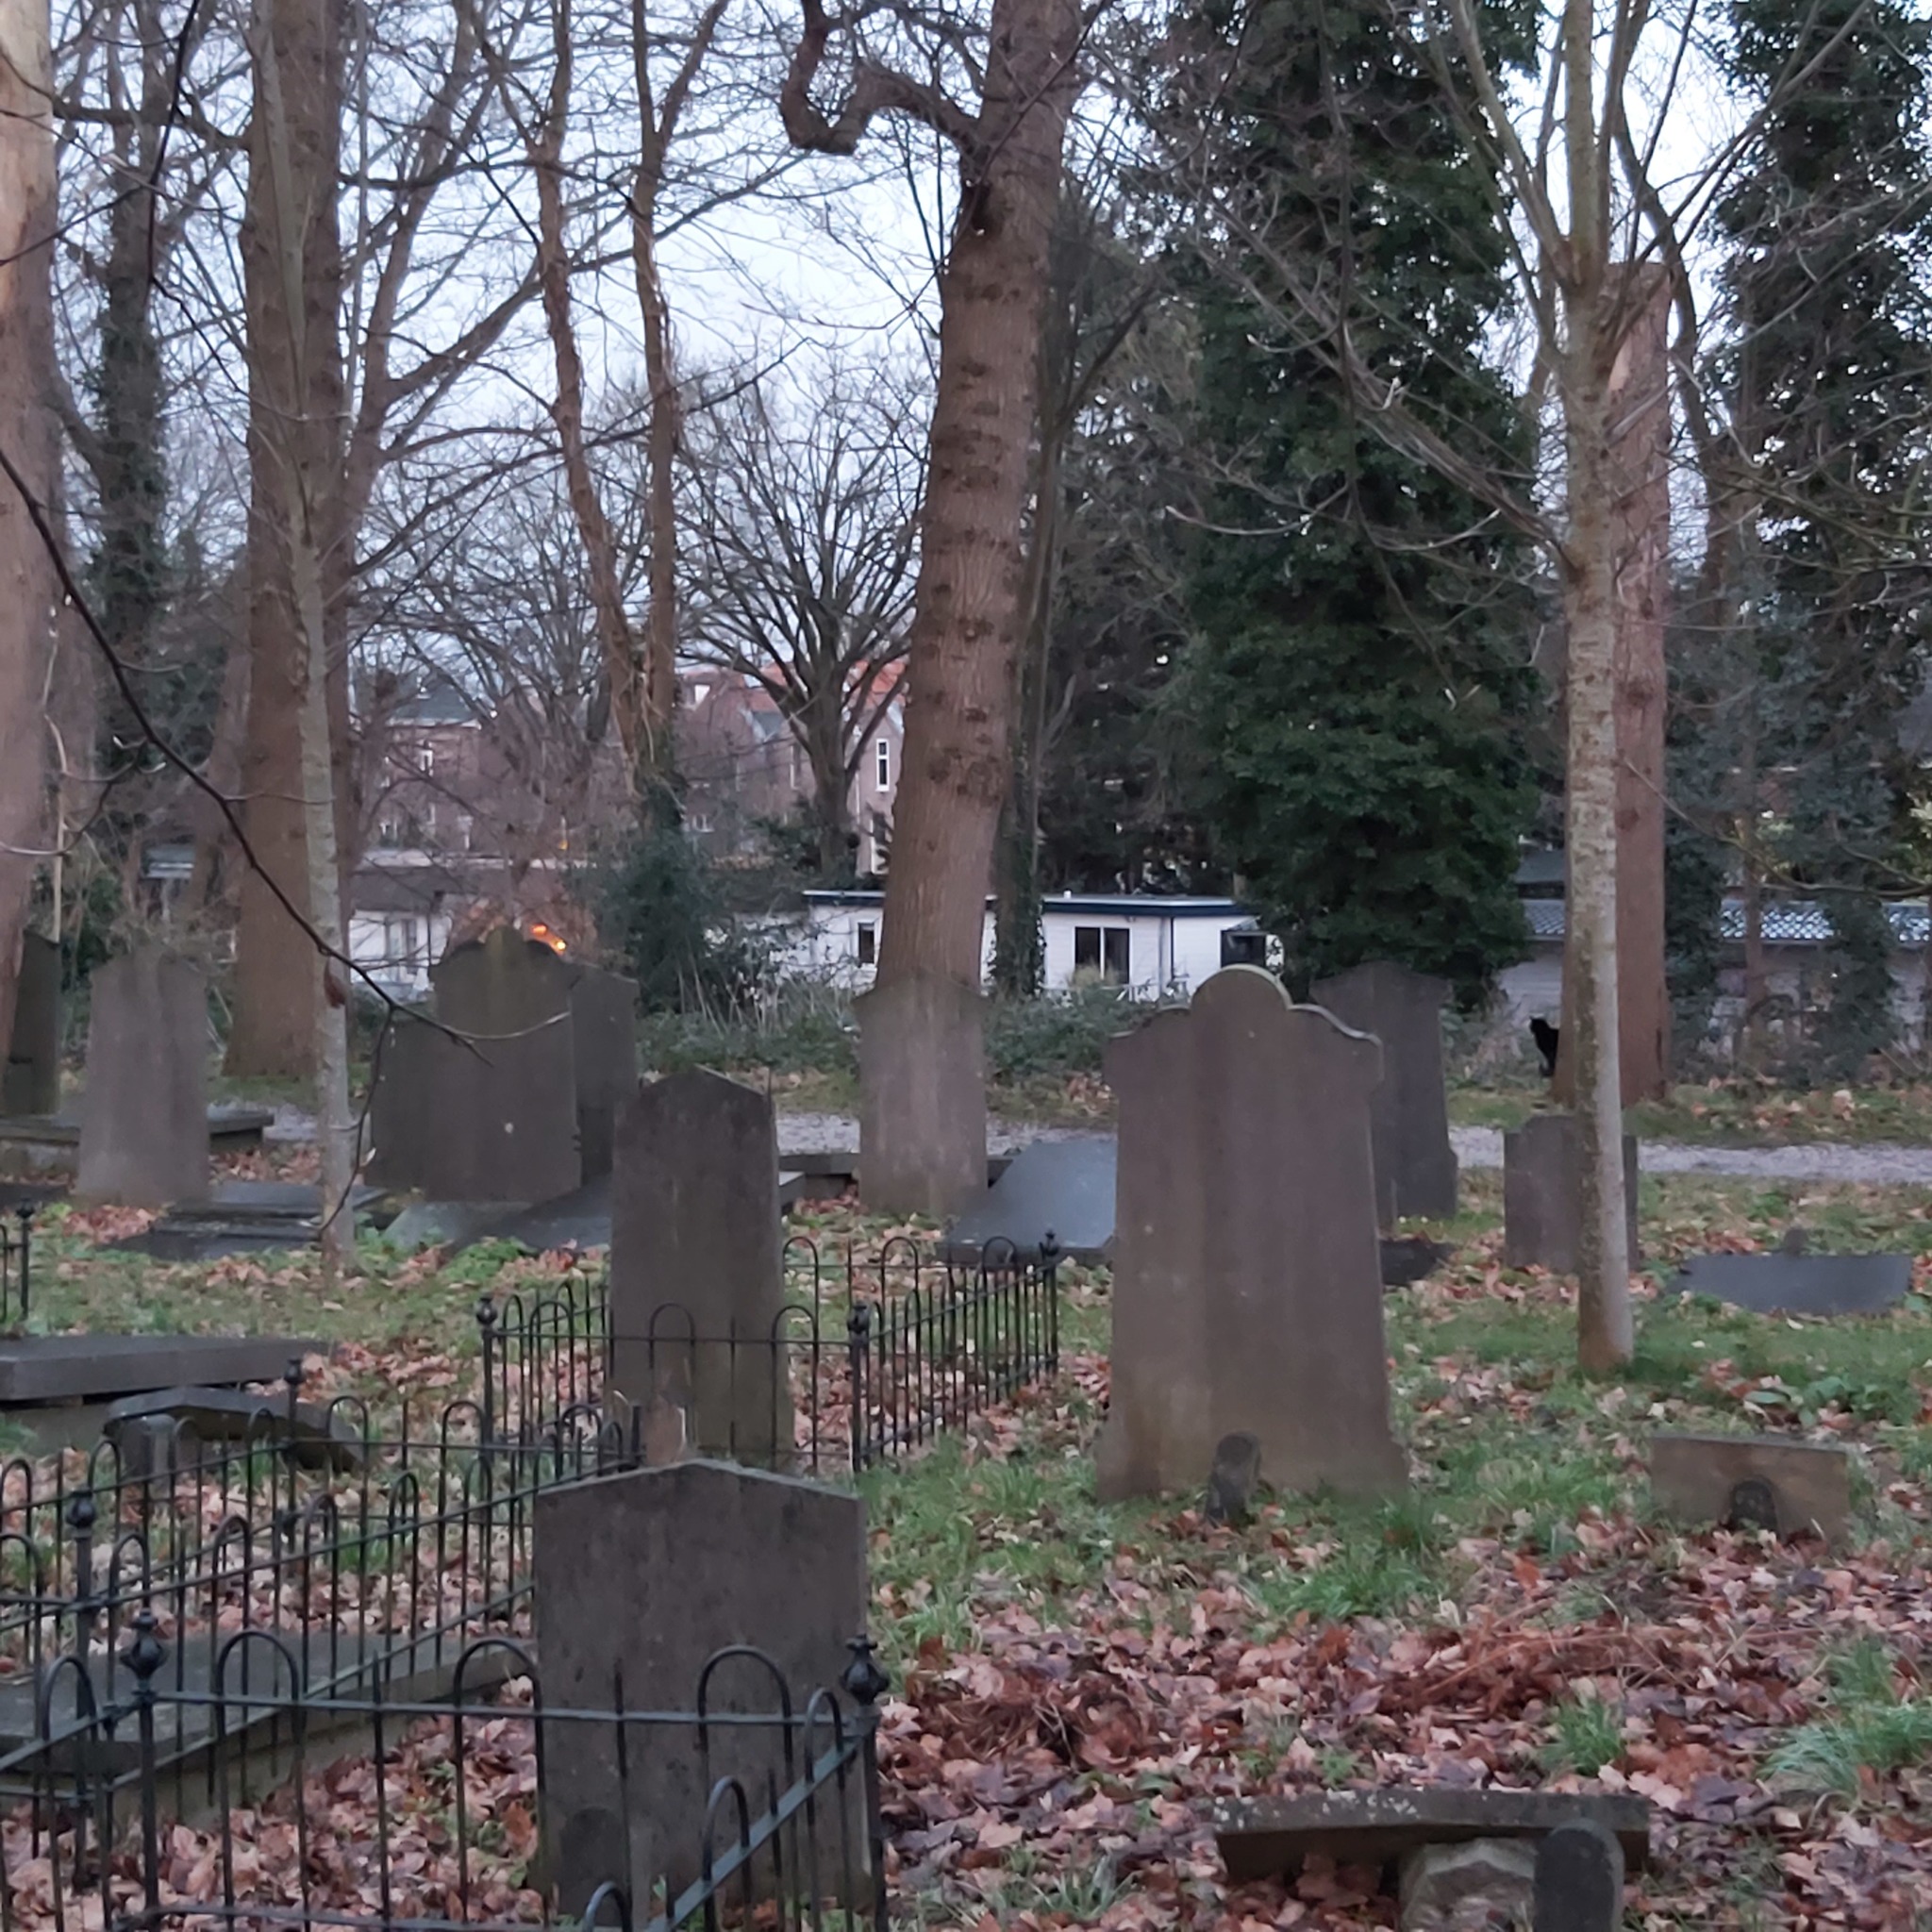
(1147, 944)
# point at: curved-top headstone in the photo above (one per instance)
(1415, 1165)
(1247, 1288)
(143, 1131)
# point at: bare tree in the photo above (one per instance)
(808, 520)
(28, 441)
(1002, 106)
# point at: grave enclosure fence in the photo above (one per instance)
(148, 1807)
(390, 1543)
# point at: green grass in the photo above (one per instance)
(1586, 1734)
(1867, 1726)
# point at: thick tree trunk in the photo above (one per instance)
(1604, 1332)
(968, 608)
(1639, 409)
(27, 433)
(295, 423)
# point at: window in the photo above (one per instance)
(389, 831)
(882, 759)
(868, 943)
(466, 828)
(1104, 951)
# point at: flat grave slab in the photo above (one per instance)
(1784, 1284)
(78, 1368)
(147, 1427)
(1065, 1187)
(447, 1224)
(1265, 1837)
(244, 1217)
(581, 1220)
(1752, 1482)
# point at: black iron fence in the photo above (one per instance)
(391, 1542)
(138, 1805)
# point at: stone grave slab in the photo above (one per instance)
(697, 1277)
(1065, 1187)
(1783, 1284)
(241, 1217)
(1247, 1286)
(147, 1427)
(604, 1051)
(652, 1572)
(455, 1225)
(1752, 1482)
(580, 1220)
(1409, 1112)
(30, 1081)
(1270, 1837)
(1543, 1201)
(79, 1368)
(922, 1129)
(144, 1137)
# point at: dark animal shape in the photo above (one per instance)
(1231, 1483)
(1546, 1038)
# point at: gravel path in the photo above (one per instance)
(1878, 1163)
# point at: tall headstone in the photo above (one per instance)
(697, 1277)
(1408, 1114)
(143, 1133)
(1542, 1192)
(921, 1085)
(603, 1053)
(641, 1578)
(492, 1113)
(31, 1082)
(1247, 1288)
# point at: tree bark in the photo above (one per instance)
(29, 435)
(295, 421)
(1639, 411)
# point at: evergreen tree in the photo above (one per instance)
(1359, 683)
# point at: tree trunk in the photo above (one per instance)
(968, 601)
(1604, 1334)
(1640, 414)
(295, 417)
(27, 434)
(660, 456)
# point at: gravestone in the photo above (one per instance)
(1542, 1192)
(1062, 1188)
(1796, 1283)
(697, 1278)
(1752, 1482)
(1475, 1884)
(604, 1052)
(1248, 1289)
(1415, 1165)
(1579, 1879)
(921, 1096)
(31, 1084)
(649, 1573)
(143, 1135)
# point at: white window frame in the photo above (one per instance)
(882, 764)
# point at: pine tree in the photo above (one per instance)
(1360, 679)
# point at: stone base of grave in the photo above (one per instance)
(1756, 1482)
(922, 1087)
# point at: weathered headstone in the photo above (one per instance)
(1061, 1188)
(1542, 1192)
(1752, 1482)
(697, 1278)
(1232, 1482)
(1415, 1165)
(144, 1136)
(31, 1082)
(604, 1052)
(1247, 1291)
(921, 1128)
(641, 1578)
(1579, 1879)
(1797, 1283)
(1478, 1885)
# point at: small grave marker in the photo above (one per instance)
(1752, 1482)
(1579, 1879)
(1542, 1194)
(144, 1136)
(1247, 1286)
